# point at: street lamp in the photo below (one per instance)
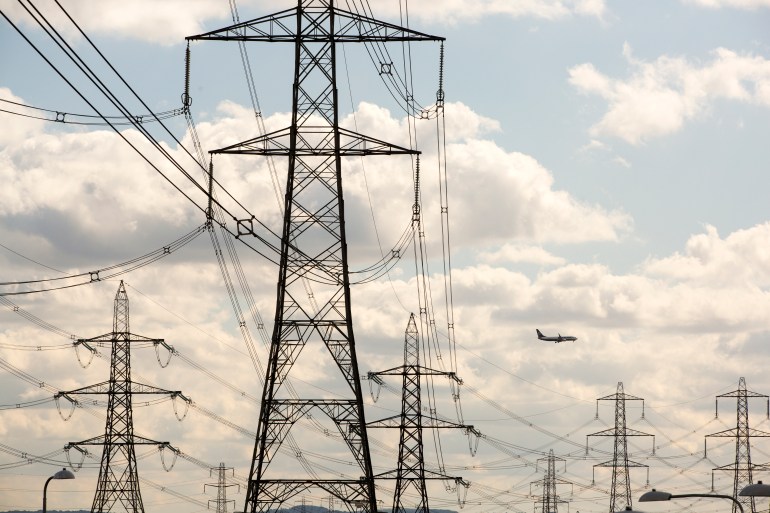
(757, 489)
(655, 496)
(62, 474)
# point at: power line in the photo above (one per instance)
(71, 118)
(104, 273)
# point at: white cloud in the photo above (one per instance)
(596, 8)
(740, 4)
(166, 23)
(661, 96)
(455, 11)
(515, 199)
(463, 123)
(23, 126)
(594, 145)
(622, 162)
(46, 170)
(710, 260)
(513, 253)
(105, 191)
(718, 285)
(505, 196)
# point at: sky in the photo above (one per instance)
(605, 178)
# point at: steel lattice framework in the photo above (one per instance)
(410, 473)
(221, 501)
(742, 467)
(118, 485)
(620, 494)
(313, 242)
(549, 501)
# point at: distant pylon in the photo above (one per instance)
(549, 502)
(118, 483)
(742, 467)
(410, 473)
(620, 494)
(222, 486)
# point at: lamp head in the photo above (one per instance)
(757, 489)
(64, 474)
(655, 496)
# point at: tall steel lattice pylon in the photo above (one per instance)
(313, 245)
(410, 474)
(222, 485)
(742, 468)
(117, 488)
(549, 501)
(620, 493)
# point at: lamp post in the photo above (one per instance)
(62, 474)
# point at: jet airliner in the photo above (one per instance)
(556, 339)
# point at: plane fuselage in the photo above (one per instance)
(556, 339)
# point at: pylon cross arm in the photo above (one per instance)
(282, 27)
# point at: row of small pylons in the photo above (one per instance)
(118, 481)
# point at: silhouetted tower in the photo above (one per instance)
(117, 488)
(410, 473)
(742, 467)
(313, 245)
(620, 493)
(549, 502)
(222, 486)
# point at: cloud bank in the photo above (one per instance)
(79, 196)
(660, 97)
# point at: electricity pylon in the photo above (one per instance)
(620, 494)
(549, 501)
(410, 474)
(742, 468)
(313, 245)
(118, 483)
(222, 486)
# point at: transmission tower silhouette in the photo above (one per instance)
(313, 245)
(549, 501)
(221, 486)
(118, 483)
(742, 467)
(410, 473)
(620, 492)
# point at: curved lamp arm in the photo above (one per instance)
(62, 474)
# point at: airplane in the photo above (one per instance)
(555, 340)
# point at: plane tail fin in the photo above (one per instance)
(539, 335)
